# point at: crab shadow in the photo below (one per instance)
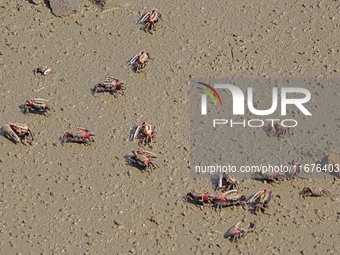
(102, 91)
(99, 91)
(130, 161)
(22, 110)
(214, 179)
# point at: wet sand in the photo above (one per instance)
(76, 199)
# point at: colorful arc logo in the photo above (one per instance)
(212, 93)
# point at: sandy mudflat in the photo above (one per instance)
(76, 199)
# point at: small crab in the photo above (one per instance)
(112, 85)
(294, 168)
(277, 129)
(43, 70)
(269, 177)
(18, 133)
(139, 61)
(150, 19)
(225, 182)
(259, 200)
(36, 105)
(143, 159)
(314, 192)
(235, 232)
(229, 198)
(81, 135)
(200, 198)
(145, 133)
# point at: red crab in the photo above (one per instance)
(81, 135)
(36, 105)
(201, 198)
(229, 198)
(143, 159)
(112, 85)
(235, 232)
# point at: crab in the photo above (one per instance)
(235, 232)
(150, 19)
(36, 105)
(225, 182)
(269, 177)
(200, 198)
(145, 133)
(143, 159)
(294, 168)
(277, 129)
(111, 85)
(81, 135)
(314, 192)
(259, 200)
(43, 70)
(17, 132)
(139, 61)
(229, 198)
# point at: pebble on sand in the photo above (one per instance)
(62, 8)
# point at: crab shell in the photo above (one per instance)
(43, 70)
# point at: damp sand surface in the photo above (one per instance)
(76, 199)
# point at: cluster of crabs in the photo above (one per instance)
(228, 188)
(228, 196)
(144, 131)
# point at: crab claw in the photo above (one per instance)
(230, 191)
(257, 194)
(82, 129)
(150, 154)
(40, 99)
(132, 60)
(136, 132)
(143, 17)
